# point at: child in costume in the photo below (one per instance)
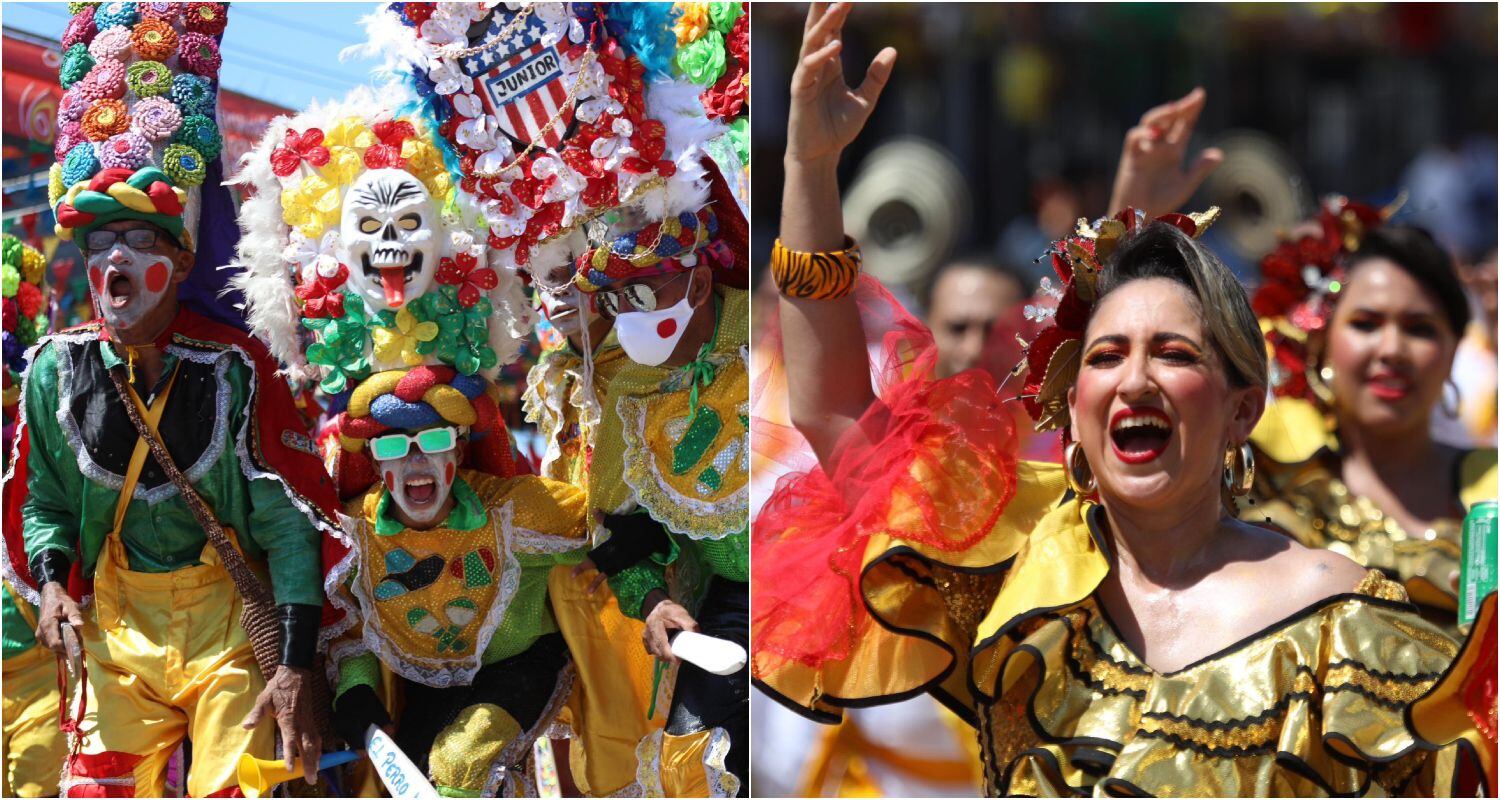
(446, 581)
(170, 538)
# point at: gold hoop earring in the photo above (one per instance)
(1075, 462)
(1239, 470)
(1317, 381)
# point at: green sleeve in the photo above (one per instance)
(356, 670)
(49, 517)
(632, 584)
(543, 559)
(288, 537)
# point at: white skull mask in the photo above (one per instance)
(388, 236)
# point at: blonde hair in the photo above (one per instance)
(1163, 251)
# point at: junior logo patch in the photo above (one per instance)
(520, 81)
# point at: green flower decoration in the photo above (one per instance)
(200, 133)
(183, 164)
(739, 138)
(76, 63)
(721, 16)
(12, 252)
(341, 345)
(149, 79)
(74, 8)
(10, 281)
(463, 339)
(702, 61)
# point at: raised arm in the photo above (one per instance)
(823, 342)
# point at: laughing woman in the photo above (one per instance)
(1109, 628)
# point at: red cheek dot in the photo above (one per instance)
(96, 277)
(390, 479)
(448, 473)
(666, 328)
(156, 277)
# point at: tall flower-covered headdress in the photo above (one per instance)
(1300, 280)
(136, 123)
(1052, 358)
(358, 240)
(567, 125)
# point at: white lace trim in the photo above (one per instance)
(648, 766)
(438, 673)
(721, 782)
(632, 411)
(549, 415)
(503, 771)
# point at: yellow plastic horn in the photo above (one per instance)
(259, 775)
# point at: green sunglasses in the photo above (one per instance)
(397, 445)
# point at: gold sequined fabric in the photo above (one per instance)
(1311, 707)
(1297, 488)
(689, 470)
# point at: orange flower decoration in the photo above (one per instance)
(105, 119)
(154, 40)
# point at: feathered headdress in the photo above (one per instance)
(1052, 358)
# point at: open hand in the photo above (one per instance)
(1151, 175)
(825, 113)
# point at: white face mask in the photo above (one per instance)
(128, 283)
(650, 337)
(420, 483)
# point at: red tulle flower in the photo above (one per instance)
(296, 148)
(726, 98)
(321, 297)
(387, 153)
(471, 278)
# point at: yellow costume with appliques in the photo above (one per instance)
(1297, 488)
(447, 607)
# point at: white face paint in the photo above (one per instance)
(420, 483)
(128, 283)
(388, 236)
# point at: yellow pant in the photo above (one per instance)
(691, 765)
(33, 746)
(166, 658)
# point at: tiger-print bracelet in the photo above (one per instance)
(815, 276)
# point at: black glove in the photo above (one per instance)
(633, 538)
(355, 711)
(50, 565)
(299, 633)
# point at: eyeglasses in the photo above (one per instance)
(640, 297)
(139, 238)
(397, 445)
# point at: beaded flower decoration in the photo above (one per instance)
(357, 234)
(1301, 279)
(136, 121)
(546, 111)
(1052, 358)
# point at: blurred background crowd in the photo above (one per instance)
(1002, 125)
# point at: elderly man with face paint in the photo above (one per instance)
(99, 534)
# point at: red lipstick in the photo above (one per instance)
(1146, 431)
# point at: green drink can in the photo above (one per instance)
(1477, 573)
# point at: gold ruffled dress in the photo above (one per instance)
(1297, 488)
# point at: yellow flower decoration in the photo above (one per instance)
(32, 265)
(344, 164)
(401, 342)
(311, 206)
(693, 22)
(349, 133)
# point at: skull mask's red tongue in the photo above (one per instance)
(393, 279)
